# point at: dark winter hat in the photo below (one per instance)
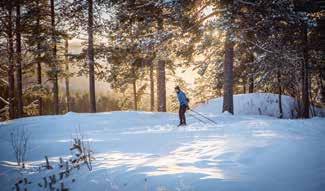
(177, 88)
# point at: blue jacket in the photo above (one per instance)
(182, 98)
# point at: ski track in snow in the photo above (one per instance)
(146, 151)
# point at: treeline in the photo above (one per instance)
(236, 46)
(79, 102)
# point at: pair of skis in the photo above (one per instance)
(201, 115)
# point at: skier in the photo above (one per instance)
(183, 105)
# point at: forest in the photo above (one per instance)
(162, 95)
(142, 48)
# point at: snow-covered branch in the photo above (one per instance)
(214, 13)
(245, 2)
(4, 82)
(259, 46)
(4, 101)
(4, 109)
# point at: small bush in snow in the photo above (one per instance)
(19, 139)
(82, 152)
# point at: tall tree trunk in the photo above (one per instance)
(135, 99)
(39, 79)
(251, 75)
(322, 86)
(54, 62)
(67, 74)
(304, 73)
(11, 78)
(90, 57)
(251, 84)
(244, 85)
(19, 96)
(161, 78)
(161, 86)
(228, 75)
(279, 93)
(39, 65)
(152, 87)
(134, 86)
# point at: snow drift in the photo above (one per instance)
(259, 104)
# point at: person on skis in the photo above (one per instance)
(183, 105)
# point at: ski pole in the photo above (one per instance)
(197, 118)
(203, 116)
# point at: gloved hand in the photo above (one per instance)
(187, 107)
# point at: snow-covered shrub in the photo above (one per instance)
(81, 150)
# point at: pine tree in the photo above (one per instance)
(37, 29)
(7, 8)
(90, 58)
(54, 64)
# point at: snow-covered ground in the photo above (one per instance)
(146, 151)
(260, 104)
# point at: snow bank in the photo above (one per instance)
(257, 104)
(146, 151)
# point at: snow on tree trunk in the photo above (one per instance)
(19, 94)
(228, 75)
(90, 57)
(161, 86)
